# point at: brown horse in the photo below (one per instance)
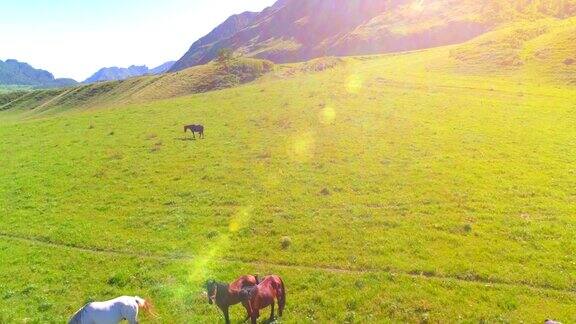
(195, 129)
(226, 295)
(264, 294)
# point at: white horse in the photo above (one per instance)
(112, 311)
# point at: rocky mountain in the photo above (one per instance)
(117, 73)
(162, 68)
(295, 30)
(13, 72)
(205, 46)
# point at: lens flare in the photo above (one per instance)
(199, 268)
(302, 147)
(240, 219)
(327, 115)
(201, 264)
(418, 5)
(354, 84)
(273, 180)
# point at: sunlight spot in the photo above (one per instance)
(302, 148)
(354, 84)
(202, 262)
(240, 219)
(327, 115)
(418, 5)
(273, 180)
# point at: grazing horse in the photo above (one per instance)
(195, 129)
(264, 294)
(226, 295)
(113, 311)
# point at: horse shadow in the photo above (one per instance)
(266, 321)
(185, 139)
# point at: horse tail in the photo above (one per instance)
(148, 308)
(281, 297)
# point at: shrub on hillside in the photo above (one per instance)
(285, 242)
(321, 64)
(225, 57)
(238, 71)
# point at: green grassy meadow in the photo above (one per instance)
(409, 190)
(12, 88)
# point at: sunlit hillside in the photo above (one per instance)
(194, 80)
(428, 186)
(296, 30)
(542, 49)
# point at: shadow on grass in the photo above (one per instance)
(185, 139)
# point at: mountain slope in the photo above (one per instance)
(205, 44)
(13, 72)
(295, 30)
(116, 73)
(163, 68)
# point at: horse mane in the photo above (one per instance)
(222, 286)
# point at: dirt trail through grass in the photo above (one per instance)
(495, 283)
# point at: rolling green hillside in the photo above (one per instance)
(428, 186)
(193, 80)
(13, 88)
(542, 49)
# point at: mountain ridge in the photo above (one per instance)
(226, 29)
(14, 72)
(117, 73)
(299, 30)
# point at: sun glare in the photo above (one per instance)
(418, 5)
(327, 115)
(201, 265)
(240, 219)
(354, 84)
(302, 148)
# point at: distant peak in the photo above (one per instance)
(122, 73)
(13, 72)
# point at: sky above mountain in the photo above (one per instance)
(72, 38)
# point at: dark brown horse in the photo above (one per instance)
(225, 295)
(195, 129)
(265, 294)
